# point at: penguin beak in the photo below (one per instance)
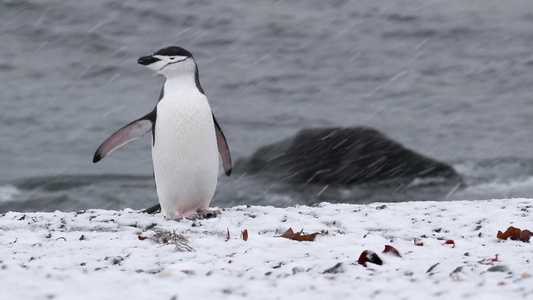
(147, 60)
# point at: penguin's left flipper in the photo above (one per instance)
(152, 209)
(132, 131)
(223, 148)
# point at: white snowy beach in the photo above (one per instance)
(99, 254)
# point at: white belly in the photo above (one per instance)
(185, 155)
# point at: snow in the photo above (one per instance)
(97, 254)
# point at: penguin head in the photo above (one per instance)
(170, 60)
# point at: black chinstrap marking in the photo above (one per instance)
(174, 62)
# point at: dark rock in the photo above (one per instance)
(338, 268)
(498, 268)
(344, 156)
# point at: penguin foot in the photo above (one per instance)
(189, 215)
(200, 215)
(208, 214)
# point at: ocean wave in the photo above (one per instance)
(7, 192)
(75, 192)
(504, 189)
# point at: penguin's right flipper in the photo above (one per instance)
(132, 131)
(153, 209)
(223, 148)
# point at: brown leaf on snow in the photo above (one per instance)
(300, 236)
(418, 242)
(391, 250)
(515, 234)
(244, 234)
(450, 242)
(369, 256)
(142, 238)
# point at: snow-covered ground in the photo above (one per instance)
(99, 254)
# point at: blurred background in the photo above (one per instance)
(452, 80)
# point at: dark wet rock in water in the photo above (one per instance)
(345, 156)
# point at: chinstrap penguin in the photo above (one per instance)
(185, 137)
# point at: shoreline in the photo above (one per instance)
(98, 254)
